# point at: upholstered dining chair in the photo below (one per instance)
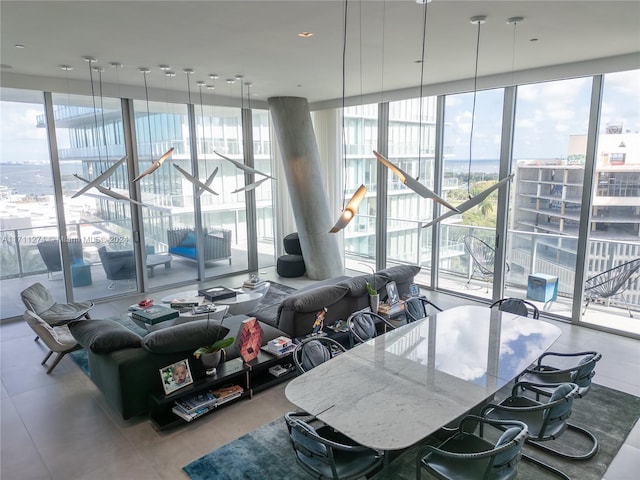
(469, 456)
(313, 351)
(417, 308)
(546, 420)
(552, 368)
(362, 326)
(518, 306)
(58, 339)
(324, 453)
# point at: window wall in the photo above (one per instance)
(472, 127)
(412, 148)
(90, 138)
(614, 229)
(549, 166)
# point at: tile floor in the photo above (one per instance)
(58, 426)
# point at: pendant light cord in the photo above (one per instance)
(104, 129)
(146, 94)
(473, 110)
(424, 39)
(95, 113)
(344, 140)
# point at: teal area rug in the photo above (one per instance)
(266, 454)
(276, 293)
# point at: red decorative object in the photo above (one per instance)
(249, 339)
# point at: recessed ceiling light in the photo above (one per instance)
(533, 40)
(19, 45)
(230, 80)
(214, 76)
(164, 68)
(211, 87)
(66, 68)
(422, 2)
(305, 34)
(188, 71)
(116, 64)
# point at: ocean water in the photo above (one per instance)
(33, 178)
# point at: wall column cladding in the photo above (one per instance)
(301, 159)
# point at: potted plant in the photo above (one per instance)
(210, 355)
(374, 298)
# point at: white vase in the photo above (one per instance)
(374, 302)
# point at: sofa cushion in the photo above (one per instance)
(183, 337)
(316, 299)
(103, 336)
(189, 240)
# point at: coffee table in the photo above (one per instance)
(244, 302)
(156, 260)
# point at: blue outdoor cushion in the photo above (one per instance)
(184, 252)
(189, 240)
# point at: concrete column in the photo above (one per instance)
(301, 159)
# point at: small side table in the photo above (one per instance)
(542, 288)
(81, 275)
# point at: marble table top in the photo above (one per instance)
(400, 387)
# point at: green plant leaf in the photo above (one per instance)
(219, 345)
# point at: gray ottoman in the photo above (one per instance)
(291, 266)
(292, 244)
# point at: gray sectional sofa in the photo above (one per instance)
(340, 295)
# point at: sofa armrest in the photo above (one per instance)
(176, 235)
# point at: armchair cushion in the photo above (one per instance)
(37, 298)
(103, 336)
(184, 337)
(189, 240)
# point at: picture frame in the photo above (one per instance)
(414, 290)
(176, 376)
(392, 293)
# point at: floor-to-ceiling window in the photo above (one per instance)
(412, 148)
(91, 148)
(223, 217)
(472, 130)
(360, 137)
(547, 187)
(27, 201)
(614, 230)
(264, 196)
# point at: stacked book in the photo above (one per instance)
(155, 314)
(193, 406)
(253, 285)
(279, 346)
(215, 294)
(390, 310)
(185, 303)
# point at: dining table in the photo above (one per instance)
(402, 386)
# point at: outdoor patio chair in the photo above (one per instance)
(50, 253)
(467, 456)
(118, 265)
(518, 306)
(610, 284)
(483, 258)
(313, 351)
(324, 453)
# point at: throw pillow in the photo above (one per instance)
(103, 336)
(184, 337)
(189, 240)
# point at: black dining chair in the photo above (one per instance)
(518, 306)
(469, 456)
(313, 351)
(546, 420)
(363, 326)
(418, 307)
(324, 453)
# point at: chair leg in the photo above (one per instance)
(586, 306)
(47, 357)
(545, 466)
(36, 339)
(112, 285)
(56, 361)
(585, 456)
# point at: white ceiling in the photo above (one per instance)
(258, 39)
